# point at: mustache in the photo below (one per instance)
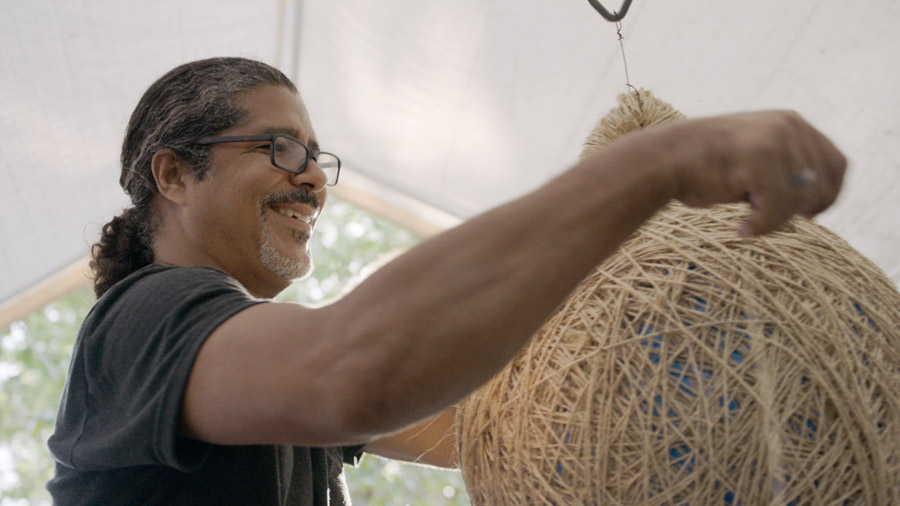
(294, 197)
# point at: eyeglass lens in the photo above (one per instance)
(291, 155)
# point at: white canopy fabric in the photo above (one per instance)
(440, 110)
(71, 74)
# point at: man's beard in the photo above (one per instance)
(281, 265)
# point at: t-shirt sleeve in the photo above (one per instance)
(122, 405)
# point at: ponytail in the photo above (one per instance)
(125, 246)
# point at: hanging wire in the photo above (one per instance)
(625, 63)
(616, 17)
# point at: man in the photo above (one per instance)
(188, 386)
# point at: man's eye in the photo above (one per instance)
(265, 147)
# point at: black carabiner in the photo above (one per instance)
(614, 16)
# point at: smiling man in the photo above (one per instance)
(248, 210)
(188, 385)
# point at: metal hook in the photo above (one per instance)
(613, 16)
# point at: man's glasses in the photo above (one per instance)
(288, 153)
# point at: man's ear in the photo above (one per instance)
(171, 175)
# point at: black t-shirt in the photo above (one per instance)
(116, 438)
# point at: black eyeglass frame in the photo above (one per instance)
(310, 153)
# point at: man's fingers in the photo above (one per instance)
(775, 157)
(828, 163)
(808, 191)
(805, 192)
(821, 197)
(814, 189)
(832, 162)
(767, 214)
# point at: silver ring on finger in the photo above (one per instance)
(803, 177)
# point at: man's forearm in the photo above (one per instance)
(448, 314)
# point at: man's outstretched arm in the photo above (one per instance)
(435, 323)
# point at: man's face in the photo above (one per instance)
(251, 217)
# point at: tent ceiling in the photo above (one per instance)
(72, 73)
(459, 105)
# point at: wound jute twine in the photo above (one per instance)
(697, 367)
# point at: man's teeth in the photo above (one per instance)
(291, 214)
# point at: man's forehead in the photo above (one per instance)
(280, 129)
(308, 136)
(275, 110)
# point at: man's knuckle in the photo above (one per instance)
(793, 119)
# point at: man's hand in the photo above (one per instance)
(774, 160)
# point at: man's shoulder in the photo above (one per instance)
(170, 279)
(157, 290)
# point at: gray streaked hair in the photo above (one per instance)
(190, 101)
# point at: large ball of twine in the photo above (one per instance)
(697, 367)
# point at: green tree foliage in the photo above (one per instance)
(380, 482)
(34, 360)
(35, 353)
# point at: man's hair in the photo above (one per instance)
(191, 101)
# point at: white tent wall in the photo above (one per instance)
(458, 105)
(467, 104)
(71, 74)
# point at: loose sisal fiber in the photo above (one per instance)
(697, 367)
